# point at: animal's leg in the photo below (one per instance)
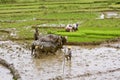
(69, 57)
(66, 56)
(46, 52)
(32, 49)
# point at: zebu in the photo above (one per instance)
(47, 44)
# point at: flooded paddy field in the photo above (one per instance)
(98, 21)
(88, 63)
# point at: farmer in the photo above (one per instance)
(69, 28)
(68, 53)
(36, 34)
(75, 27)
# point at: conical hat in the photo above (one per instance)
(69, 47)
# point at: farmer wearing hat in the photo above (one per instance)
(68, 54)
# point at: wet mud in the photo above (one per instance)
(101, 62)
(13, 71)
(5, 73)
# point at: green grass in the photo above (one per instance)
(90, 35)
(23, 12)
(94, 30)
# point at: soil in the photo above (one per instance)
(101, 62)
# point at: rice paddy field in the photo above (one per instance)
(20, 17)
(99, 22)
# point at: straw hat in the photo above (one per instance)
(69, 47)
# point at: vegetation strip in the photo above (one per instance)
(5, 31)
(93, 43)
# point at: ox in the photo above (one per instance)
(48, 43)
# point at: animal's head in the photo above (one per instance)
(64, 39)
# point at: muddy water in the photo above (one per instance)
(3, 36)
(109, 15)
(5, 73)
(88, 63)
